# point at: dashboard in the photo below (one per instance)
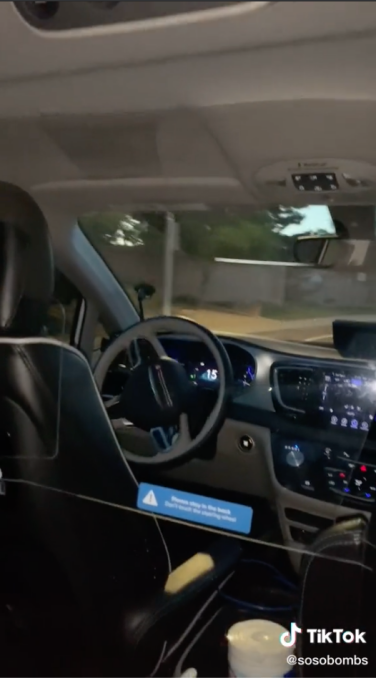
(309, 418)
(319, 412)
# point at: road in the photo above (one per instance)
(317, 334)
(312, 330)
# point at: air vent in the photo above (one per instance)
(42, 10)
(292, 386)
(308, 519)
(302, 536)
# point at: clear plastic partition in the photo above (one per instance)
(86, 463)
(80, 488)
(315, 484)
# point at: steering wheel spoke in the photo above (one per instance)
(134, 355)
(155, 343)
(185, 437)
(139, 353)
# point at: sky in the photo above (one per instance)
(316, 217)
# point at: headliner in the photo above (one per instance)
(188, 110)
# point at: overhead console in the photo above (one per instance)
(336, 402)
(51, 15)
(319, 178)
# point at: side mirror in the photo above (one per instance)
(331, 251)
(317, 250)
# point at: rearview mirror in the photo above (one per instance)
(331, 251)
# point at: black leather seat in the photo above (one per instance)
(338, 592)
(85, 576)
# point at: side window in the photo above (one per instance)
(63, 309)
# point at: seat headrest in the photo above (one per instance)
(26, 264)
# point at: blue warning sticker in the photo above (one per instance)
(194, 508)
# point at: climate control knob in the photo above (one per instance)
(295, 458)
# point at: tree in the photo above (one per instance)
(118, 228)
(285, 216)
(205, 235)
(111, 228)
(213, 235)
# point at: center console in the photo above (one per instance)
(336, 404)
(330, 473)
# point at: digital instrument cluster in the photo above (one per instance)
(201, 367)
(207, 373)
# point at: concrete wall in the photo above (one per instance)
(241, 285)
(330, 288)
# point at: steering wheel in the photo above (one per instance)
(158, 392)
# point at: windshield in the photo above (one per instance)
(232, 272)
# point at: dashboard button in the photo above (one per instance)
(308, 486)
(353, 482)
(346, 464)
(336, 473)
(337, 480)
(328, 454)
(246, 443)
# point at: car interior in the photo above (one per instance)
(187, 338)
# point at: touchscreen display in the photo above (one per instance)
(348, 398)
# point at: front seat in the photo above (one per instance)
(85, 577)
(337, 591)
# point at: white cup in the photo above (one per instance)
(255, 650)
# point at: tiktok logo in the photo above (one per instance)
(288, 639)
